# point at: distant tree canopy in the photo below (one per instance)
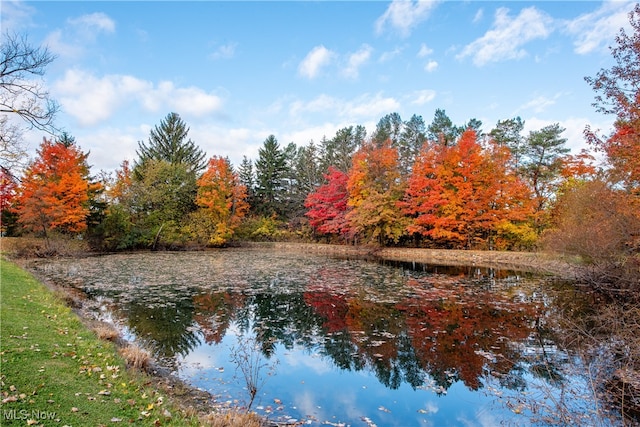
(443, 185)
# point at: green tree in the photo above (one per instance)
(162, 198)
(339, 150)
(271, 172)
(542, 162)
(414, 135)
(508, 133)
(305, 178)
(442, 130)
(167, 142)
(247, 178)
(389, 128)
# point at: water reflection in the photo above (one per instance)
(406, 324)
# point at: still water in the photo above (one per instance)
(342, 341)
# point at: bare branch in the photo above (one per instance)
(20, 92)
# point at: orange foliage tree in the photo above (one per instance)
(56, 190)
(464, 196)
(222, 202)
(375, 187)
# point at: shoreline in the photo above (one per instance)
(533, 262)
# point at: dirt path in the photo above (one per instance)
(537, 262)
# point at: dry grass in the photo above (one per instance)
(136, 357)
(33, 247)
(232, 419)
(107, 332)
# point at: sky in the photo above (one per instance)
(237, 72)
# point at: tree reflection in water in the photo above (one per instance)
(406, 324)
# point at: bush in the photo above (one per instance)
(602, 226)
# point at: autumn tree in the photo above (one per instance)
(8, 189)
(618, 94)
(327, 205)
(599, 219)
(462, 196)
(55, 192)
(221, 199)
(375, 187)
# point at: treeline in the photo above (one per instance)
(408, 183)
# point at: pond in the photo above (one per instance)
(344, 341)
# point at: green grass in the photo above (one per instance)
(54, 371)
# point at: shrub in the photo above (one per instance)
(601, 225)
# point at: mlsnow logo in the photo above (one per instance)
(23, 414)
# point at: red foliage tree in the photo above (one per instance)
(328, 205)
(8, 189)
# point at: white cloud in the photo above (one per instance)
(94, 22)
(15, 14)
(364, 106)
(317, 58)
(478, 16)
(539, 104)
(356, 60)
(91, 100)
(505, 40)
(109, 146)
(597, 30)
(190, 100)
(404, 15)
(79, 34)
(224, 51)
(431, 66)
(424, 51)
(389, 55)
(422, 97)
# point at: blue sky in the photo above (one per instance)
(239, 71)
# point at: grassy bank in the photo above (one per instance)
(54, 371)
